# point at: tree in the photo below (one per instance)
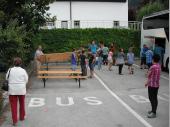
(12, 42)
(135, 6)
(148, 9)
(19, 22)
(31, 13)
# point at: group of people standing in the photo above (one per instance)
(98, 55)
(106, 56)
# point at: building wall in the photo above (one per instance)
(91, 14)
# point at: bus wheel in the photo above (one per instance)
(167, 65)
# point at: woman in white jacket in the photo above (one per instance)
(18, 79)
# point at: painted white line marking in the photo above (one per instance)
(144, 122)
(166, 95)
(163, 99)
(139, 98)
(166, 78)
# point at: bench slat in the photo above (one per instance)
(59, 72)
(69, 77)
(64, 67)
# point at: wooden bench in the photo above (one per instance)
(60, 74)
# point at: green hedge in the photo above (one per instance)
(63, 40)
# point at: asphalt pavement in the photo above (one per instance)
(107, 100)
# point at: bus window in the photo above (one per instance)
(160, 42)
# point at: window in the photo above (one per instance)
(64, 24)
(76, 24)
(115, 23)
(49, 23)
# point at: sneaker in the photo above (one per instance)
(151, 115)
(14, 124)
(149, 112)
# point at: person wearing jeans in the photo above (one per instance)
(153, 85)
(120, 60)
(18, 79)
(99, 54)
(73, 60)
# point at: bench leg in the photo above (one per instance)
(79, 82)
(44, 80)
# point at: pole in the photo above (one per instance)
(70, 14)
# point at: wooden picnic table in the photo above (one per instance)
(60, 74)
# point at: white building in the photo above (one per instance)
(89, 13)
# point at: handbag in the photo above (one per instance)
(5, 83)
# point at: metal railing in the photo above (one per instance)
(134, 25)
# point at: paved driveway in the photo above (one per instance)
(108, 100)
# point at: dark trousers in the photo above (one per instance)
(149, 65)
(13, 99)
(84, 70)
(120, 68)
(152, 93)
(143, 61)
(105, 61)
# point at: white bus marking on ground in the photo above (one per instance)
(139, 98)
(144, 122)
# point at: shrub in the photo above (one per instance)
(63, 40)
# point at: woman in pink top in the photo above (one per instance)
(153, 85)
(110, 59)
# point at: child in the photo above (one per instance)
(91, 64)
(99, 54)
(110, 59)
(120, 60)
(153, 85)
(130, 60)
(83, 63)
(73, 60)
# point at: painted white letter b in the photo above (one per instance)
(36, 102)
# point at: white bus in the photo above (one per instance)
(155, 30)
